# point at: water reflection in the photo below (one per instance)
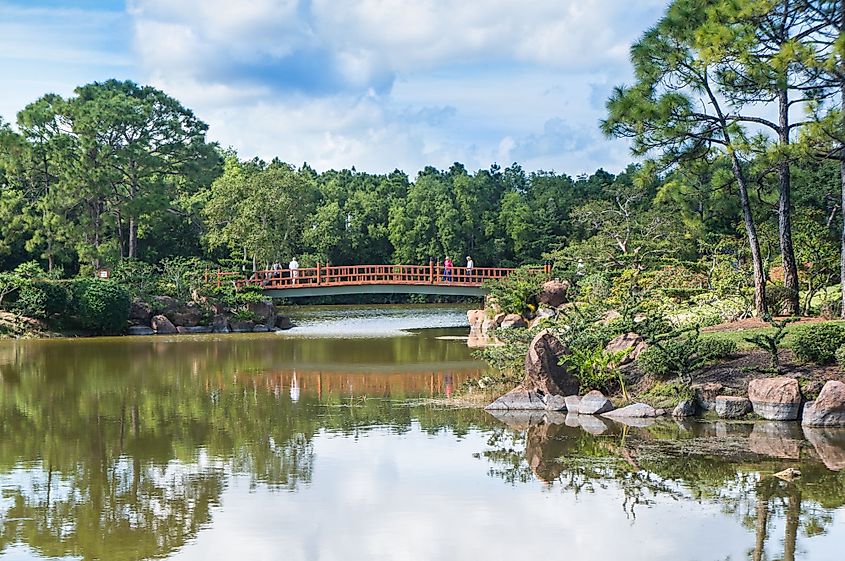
(263, 447)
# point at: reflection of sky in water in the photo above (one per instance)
(381, 495)
(394, 321)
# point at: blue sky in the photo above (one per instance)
(375, 84)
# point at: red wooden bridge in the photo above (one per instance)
(324, 280)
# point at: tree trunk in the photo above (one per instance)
(133, 238)
(787, 252)
(793, 518)
(753, 242)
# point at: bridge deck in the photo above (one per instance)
(366, 279)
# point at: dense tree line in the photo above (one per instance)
(735, 113)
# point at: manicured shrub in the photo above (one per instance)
(517, 293)
(673, 357)
(101, 307)
(42, 299)
(840, 357)
(715, 348)
(818, 343)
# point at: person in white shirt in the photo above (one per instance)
(294, 269)
(470, 267)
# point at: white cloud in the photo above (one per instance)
(380, 84)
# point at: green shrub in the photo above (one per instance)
(101, 307)
(818, 343)
(42, 299)
(840, 357)
(715, 348)
(672, 357)
(517, 293)
(139, 278)
(596, 369)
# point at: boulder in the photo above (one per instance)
(475, 319)
(518, 399)
(731, 407)
(775, 399)
(241, 326)
(572, 403)
(499, 318)
(488, 325)
(264, 311)
(140, 311)
(140, 330)
(553, 293)
(630, 342)
(543, 371)
(686, 408)
(511, 321)
(165, 304)
(283, 322)
(828, 410)
(555, 403)
(635, 410)
(162, 325)
(706, 394)
(829, 445)
(189, 315)
(220, 324)
(594, 403)
(260, 328)
(195, 329)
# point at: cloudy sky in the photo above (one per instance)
(375, 84)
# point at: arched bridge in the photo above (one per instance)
(366, 279)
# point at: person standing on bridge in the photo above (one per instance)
(294, 269)
(470, 267)
(447, 269)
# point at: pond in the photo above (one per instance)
(323, 444)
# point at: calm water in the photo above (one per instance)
(317, 445)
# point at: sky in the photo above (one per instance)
(375, 84)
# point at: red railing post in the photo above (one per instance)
(318, 273)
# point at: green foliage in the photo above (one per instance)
(771, 342)
(42, 299)
(673, 355)
(102, 307)
(667, 394)
(716, 348)
(818, 343)
(137, 277)
(840, 357)
(508, 358)
(517, 293)
(181, 277)
(597, 368)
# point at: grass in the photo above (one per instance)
(740, 335)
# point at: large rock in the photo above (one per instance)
(283, 322)
(220, 324)
(829, 445)
(511, 321)
(594, 403)
(140, 311)
(264, 311)
(707, 393)
(775, 399)
(686, 408)
(555, 402)
(630, 342)
(488, 325)
(518, 399)
(189, 315)
(241, 326)
(260, 328)
(543, 369)
(140, 330)
(162, 325)
(165, 304)
(553, 293)
(635, 410)
(731, 407)
(572, 403)
(828, 410)
(476, 319)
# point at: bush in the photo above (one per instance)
(101, 307)
(840, 357)
(716, 348)
(42, 299)
(673, 357)
(818, 343)
(138, 277)
(517, 293)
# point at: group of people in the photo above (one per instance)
(277, 269)
(448, 266)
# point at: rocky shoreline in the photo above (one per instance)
(163, 315)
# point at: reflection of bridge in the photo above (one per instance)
(366, 279)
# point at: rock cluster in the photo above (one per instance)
(169, 316)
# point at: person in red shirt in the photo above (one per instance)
(447, 269)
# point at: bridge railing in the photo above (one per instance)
(344, 275)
